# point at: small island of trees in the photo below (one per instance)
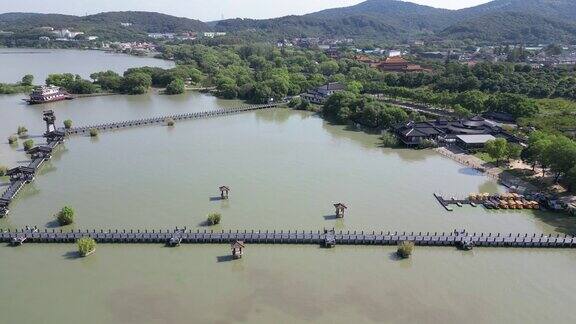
(214, 219)
(22, 131)
(405, 249)
(65, 216)
(28, 144)
(86, 246)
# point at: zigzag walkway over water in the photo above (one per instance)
(22, 175)
(163, 119)
(325, 238)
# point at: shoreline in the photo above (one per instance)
(495, 173)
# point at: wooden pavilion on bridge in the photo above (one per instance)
(340, 209)
(21, 173)
(50, 120)
(237, 249)
(224, 192)
(41, 151)
(55, 136)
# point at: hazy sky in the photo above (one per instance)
(202, 9)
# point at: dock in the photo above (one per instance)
(447, 203)
(321, 238)
(490, 201)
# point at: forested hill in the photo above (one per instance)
(511, 21)
(403, 15)
(106, 25)
(538, 21)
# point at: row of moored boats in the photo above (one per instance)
(503, 201)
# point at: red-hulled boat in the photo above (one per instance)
(46, 94)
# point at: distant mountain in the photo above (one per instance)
(513, 27)
(513, 21)
(364, 27)
(107, 25)
(540, 21)
(402, 15)
(551, 9)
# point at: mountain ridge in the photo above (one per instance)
(509, 21)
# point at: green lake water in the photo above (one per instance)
(17, 62)
(285, 169)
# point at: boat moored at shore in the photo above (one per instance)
(45, 94)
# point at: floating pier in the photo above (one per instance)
(446, 203)
(329, 238)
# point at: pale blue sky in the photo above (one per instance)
(202, 9)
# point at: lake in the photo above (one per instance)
(15, 63)
(285, 169)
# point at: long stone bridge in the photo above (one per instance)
(324, 238)
(164, 119)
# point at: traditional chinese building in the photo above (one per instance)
(398, 64)
(472, 131)
(319, 95)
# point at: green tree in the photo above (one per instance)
(472, 100)
(86, 246)
(570, 179)
(22, 130)
(65, 216)
(261, 93)
(295, 102)
(28, 145)
(68, 123)
(389, 140)
(214, 219)
(514, 151)
(108, 80)
(562, 155)
(329, 68)
(27, 80)
(497, 149)
(355, 87)
(136, 83)
(227, 87)
(3, 170)
(405, 249)
(461, 112)
(12, 140)
(176, 87)
(340, 106)
(93, 132)
(80, 86)
(304, 105)
(513, 104)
